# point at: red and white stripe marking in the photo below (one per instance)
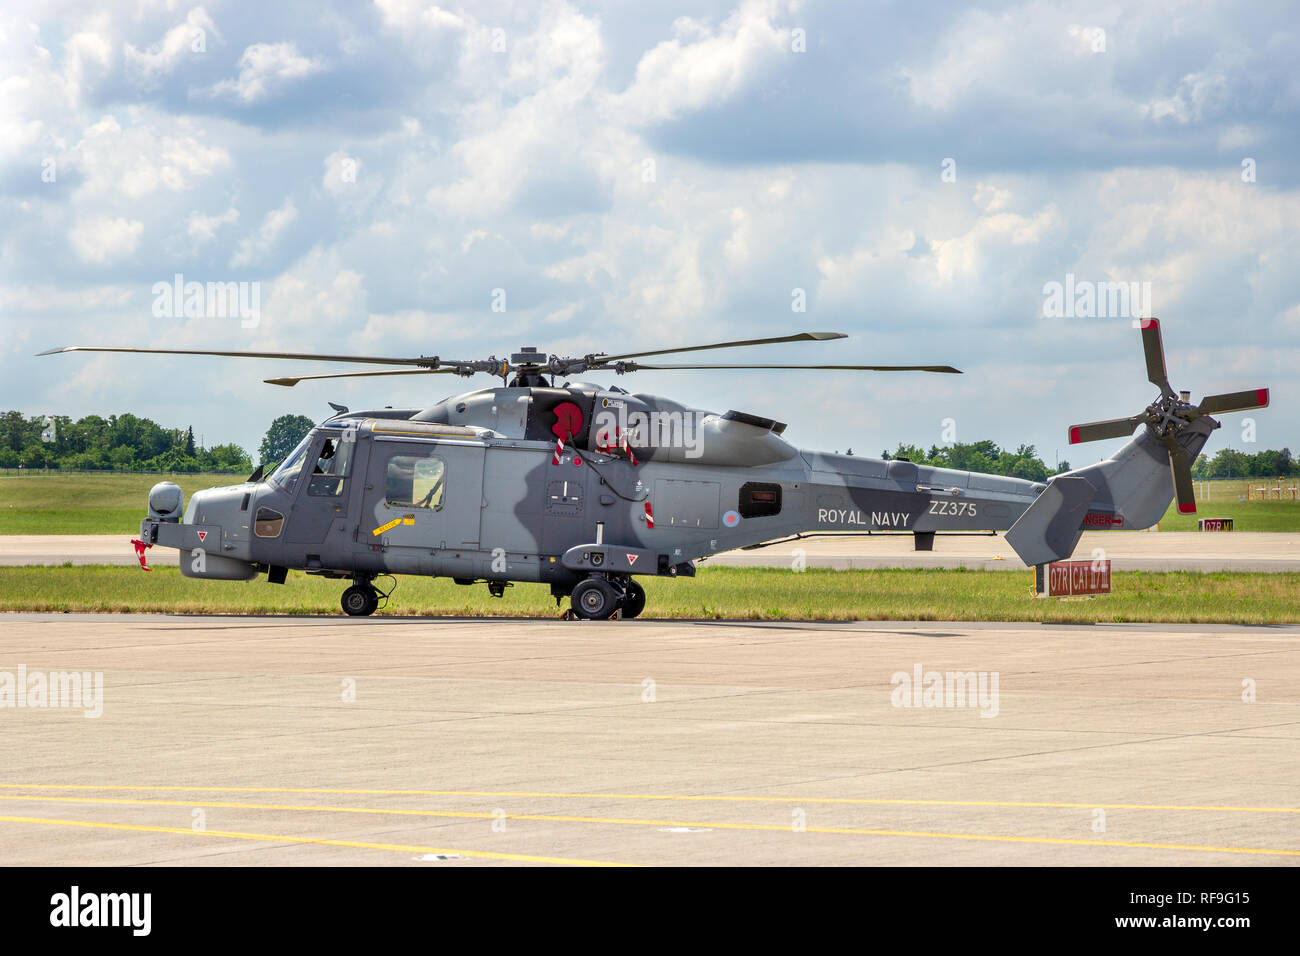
(649, 516)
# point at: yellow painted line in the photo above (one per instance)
(271, 838)
(701, 798)
(557, 818)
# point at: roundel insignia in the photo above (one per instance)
(731, 519)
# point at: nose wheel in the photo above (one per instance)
(360, 600)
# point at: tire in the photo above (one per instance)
(360, 600)
(633, 600)
(593, 599)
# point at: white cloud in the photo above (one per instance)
(265, 68)
(203, 228)
(405, 15)
(260, 243)
(523, 169)
(700, 68)
(179, 43)
(141, 159)
(104, 240)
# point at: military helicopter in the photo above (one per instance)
(585, 487)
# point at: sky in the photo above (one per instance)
(405, 179)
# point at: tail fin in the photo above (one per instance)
(1130, 491)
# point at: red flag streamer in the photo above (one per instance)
(628, 449)
(649, 516)
(559, 451)
(140, 547)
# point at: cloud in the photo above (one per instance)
(266, 68)
(202, 228)
(636, 176)
(182, 41)
(700, 67)
(106, 240)
(257, 245)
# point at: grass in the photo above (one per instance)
(1223, 499)
(53, 503)
(716, 593)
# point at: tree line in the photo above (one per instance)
(985, 457)
(116, 443)
(988, 458)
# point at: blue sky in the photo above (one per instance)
(652, 174)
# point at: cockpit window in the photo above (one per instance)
(286, 476)
(333, 462)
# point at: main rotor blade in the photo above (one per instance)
(1110, 428)
(637, 366)
(1232, 402)
(796, 337)
(1154, 347)
(303, 356)
(1182, 472)
(290, 382)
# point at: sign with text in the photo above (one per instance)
(1070, 578)
(1214, 524)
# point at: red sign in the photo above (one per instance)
(1094, 519)
(1215, 524)
(1065, 578)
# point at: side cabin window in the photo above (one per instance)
(759, 499)
(415, 481)
(333, 464)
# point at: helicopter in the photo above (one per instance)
(585, 487)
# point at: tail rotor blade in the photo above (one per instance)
(1111, 428)
(1154, 347)
(1182, 472)
(1233, 402)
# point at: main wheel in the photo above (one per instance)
(593, 599)
(360, 600)
(633, 600)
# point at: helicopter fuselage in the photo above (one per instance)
(557, 485)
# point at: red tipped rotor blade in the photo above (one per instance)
(1181, 468)
(1154, 348)
(1233, 402)
(1111, 428)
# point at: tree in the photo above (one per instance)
(283, 436)
(189, 442)
(225, 458)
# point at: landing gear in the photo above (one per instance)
(594, 599)
(633, 600)
(599, 598)
(360, 600)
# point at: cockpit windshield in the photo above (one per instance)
(286, 476)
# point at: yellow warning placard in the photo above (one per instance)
(404, 519)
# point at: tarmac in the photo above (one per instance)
(443, 742)
(1128, 551)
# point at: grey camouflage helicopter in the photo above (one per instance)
(586, 487)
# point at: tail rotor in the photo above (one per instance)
(1168, 415)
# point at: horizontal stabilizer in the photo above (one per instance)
(1051, 527)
